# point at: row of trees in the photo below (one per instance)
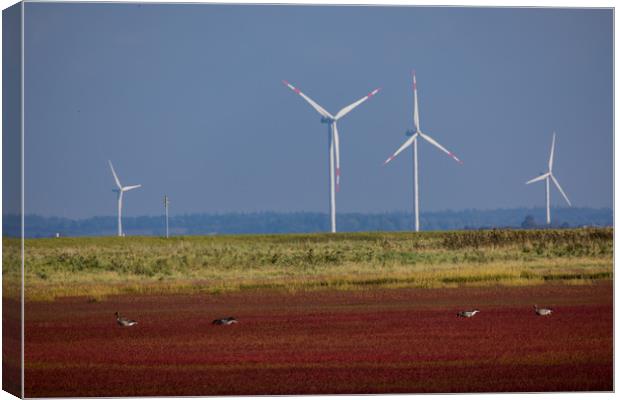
(298, 222)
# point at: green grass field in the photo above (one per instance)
(97, 267)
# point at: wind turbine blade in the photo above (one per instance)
(560, 189)
(416, 112)
(127, 188)
(314, 105)
(350, 107)
(440, 147)
(551, 155)
(118, 183)
(337, 151)
(538, 178)
(401, 148)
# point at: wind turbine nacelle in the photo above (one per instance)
(325, 120)
(410, 133)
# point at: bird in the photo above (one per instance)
(122, 321)
(225, 321)
(542, 311)
(467, 314)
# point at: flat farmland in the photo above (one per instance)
(99, 267)
(376, 340)
(319, 313)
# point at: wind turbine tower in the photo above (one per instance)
(549, 175)
(334, 144)
(414, 134)
(120, 190)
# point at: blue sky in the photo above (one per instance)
(187, 100)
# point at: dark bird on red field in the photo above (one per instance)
(225, 321)
(467, 314)
(542, 311)
(122, 321)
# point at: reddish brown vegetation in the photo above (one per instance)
(376, 341)
(11, 346)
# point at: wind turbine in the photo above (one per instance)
(546, 176)
(121, 189)
(414, 134)
(334, 143)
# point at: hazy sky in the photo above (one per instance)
(187, 100)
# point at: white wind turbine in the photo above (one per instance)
(334, 143)
(413, 139)
(121, 189)
(546, 176)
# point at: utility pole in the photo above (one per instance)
(166, 203)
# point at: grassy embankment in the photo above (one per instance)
(97, 267)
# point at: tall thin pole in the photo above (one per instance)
(166, 202)
(120, 211)
(332, 189)
(548, 203)
(416, 204)
(416, 123)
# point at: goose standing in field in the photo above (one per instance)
(225, 321)
(467, 314)
(542, 311)
(122, 321)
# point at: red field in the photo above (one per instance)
(372, 341)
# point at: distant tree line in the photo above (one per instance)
(304, 222)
